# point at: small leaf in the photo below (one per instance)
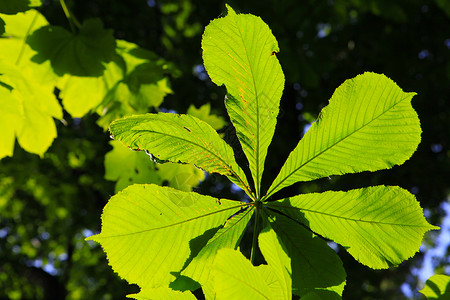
(236, 278)
(81, 54)
(147, 236)
(369, 125)
(379, 226)
(437, 287)
(315, 266)
(180, 138)
(238, 51)
(135, 81)
(204, 113)
(138, 168)
(179, 176)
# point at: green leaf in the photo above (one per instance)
(81, 94)
(137, 169)
(204, 113)
(236, 278)
(15, 50)
(437, 287)
(28, 110)
(147, 235)
(2, 26)
(162, 293)
(369, 125)
(379, 226)
(12, 7)
(278, 261)
(180, 138)
(135, 81)
(315, 266)
(179, 176)
(228, 236)
(81, 54)
(238, 51)
(132, 82)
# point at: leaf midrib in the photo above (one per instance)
(331, 146)
(347, 218)
(257, 175)
(218, 157)
(176, 224)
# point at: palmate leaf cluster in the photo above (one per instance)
(172, 242)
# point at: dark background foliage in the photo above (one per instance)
(48, 205)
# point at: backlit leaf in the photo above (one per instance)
(369, 125)
(81, 54)
(228, 236)
(239, 52)
(236, 278)
(437, 287)
(180, 138)
(275, 254)
(315, 266)
(162, 293)
(29, 109)
(179, 176)
(137, 169)
(147, 235)
(379, 226)
(204, 113)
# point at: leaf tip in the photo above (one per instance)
(230, 10)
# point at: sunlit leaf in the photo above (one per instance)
(81, 94)
(369, 125)
(379, 226)
(437, 287)
(162, 293)
(204, 113)
(228, 236)
(81, 54)
(278, 260)
(236, 278)
(16, 51)
(179, 176)
(29, 109)
(239, 52)
(147, 235)
(180, 138)
(137, 169)
(135, 80)
(315, 266)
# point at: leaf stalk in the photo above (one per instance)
(258, 207)
(73, 22)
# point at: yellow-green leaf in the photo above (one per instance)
(379, 226)
(239, 52)
(368, 125)
(147, 235)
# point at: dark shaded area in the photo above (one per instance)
(58, 199)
